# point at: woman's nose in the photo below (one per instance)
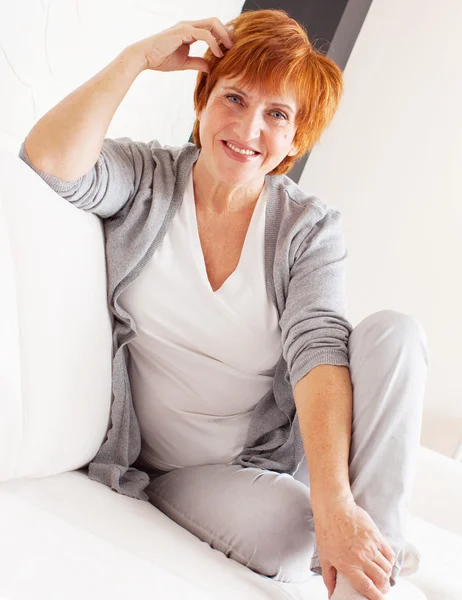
(251, 124)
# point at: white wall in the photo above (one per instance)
(391, 162)
(47, 49)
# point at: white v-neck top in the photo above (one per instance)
(201, 360)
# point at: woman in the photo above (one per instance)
(233, 359)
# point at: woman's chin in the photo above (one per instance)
(240, 173)
(237, 178)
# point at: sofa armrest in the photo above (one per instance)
(437, 490)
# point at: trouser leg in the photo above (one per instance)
(388, 367)
(259, 518)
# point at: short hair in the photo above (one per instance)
(272, 51)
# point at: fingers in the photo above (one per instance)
(196, 63)
(209, 31)
(387, 551)
(378, 576)
(365, 586)
(206, 36)
(217, 28)
(380, 567)
(329, 575)
(384, 563)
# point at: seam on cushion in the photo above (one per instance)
(20, 350)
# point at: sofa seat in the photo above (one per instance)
(66, 536)
(440, 570)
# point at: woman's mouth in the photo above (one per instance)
(239, 155)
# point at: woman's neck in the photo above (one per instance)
(217, 197)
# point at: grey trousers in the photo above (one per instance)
(263, 519)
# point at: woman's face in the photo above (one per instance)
(246, 118)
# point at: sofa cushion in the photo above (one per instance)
(440, 570)
(437, 490)
(56, 342)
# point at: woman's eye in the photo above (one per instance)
(282, 116)
(277, 112)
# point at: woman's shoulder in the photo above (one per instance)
(300, 210)
(161, 154)
(175, 152)
(304, 198)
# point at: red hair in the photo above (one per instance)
(272, 51)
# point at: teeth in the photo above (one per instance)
(238, 150)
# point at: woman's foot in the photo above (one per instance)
(345, 591)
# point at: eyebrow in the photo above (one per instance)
(246, 95)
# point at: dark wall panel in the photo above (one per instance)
(320, 18)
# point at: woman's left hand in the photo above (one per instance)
(349, 541)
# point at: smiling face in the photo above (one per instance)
(245, 118)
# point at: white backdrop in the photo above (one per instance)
(391, 161)
(50, 47)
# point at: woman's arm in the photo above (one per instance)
(66, 142)
(324, 400)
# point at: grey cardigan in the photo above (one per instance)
(136, 188)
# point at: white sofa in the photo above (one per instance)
(64, 536)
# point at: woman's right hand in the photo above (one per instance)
(350, 542)
(169, 49)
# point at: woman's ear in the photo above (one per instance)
(292, 151)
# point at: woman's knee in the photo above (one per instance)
(398, 325)
(388, 366)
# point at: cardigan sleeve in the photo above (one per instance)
(123, 167)
(314, 324)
